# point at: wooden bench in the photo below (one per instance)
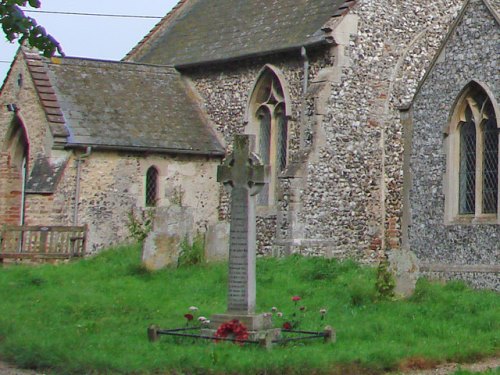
(42, 242)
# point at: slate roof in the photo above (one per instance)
(124, 106)
(199, 31)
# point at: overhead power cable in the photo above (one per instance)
(92, 14)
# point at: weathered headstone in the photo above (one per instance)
(217, 242)
(171, 226)
(244, 176)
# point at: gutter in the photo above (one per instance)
(79, 160)
(144, 149)
(315, 42)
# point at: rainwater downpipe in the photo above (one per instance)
(305, 86)
(23, 192)
(305, 58)
(79, 160)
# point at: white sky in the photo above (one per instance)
(95, 37)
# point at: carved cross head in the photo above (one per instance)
(243, 168)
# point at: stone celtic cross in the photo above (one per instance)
(244, 176)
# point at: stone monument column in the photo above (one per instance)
(244, 176)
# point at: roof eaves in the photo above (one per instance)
(312, 42)
(138, 149)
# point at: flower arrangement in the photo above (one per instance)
(192, 315)
(232, 329)
(294, 319)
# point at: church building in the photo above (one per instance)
(320, 83)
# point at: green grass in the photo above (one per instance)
(91, 316)
(487, 372)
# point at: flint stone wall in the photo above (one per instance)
(341, 194)
(470, 53)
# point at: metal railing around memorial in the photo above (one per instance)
(42, 242)
(328, 335)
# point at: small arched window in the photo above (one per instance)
(476, 162)
(151, 187)
(268, 120)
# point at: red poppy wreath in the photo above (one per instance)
(232, 329)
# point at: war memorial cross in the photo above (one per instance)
(244, 176)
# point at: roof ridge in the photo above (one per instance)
(156, 28)
(46, 92)
(74, 60)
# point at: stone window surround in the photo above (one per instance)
(452, 151)
(252, 126)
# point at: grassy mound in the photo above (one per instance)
(91, 316)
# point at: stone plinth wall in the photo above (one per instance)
(471, 53)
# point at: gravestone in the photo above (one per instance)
(244, 176)
(171, 226)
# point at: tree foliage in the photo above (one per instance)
(17, 26)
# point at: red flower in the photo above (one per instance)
(287, 325)
(296, 298)
(189, 317)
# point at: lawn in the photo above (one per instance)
(91, 316)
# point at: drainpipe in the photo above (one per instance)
(79, 160)
(305, 58)
(23, 192)
(305, 86)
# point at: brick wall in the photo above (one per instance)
(10, 191)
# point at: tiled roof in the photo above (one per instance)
(200, 31)
(117, 105)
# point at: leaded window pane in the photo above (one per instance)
(490, 165)
(281, 122)
(467, 177)
(151, 187)
(264, 117)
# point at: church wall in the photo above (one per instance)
(10, 191)
(225, 90)
(113, 184)
(342, 193)
(390, 53)
(460, 249)
(19, 90)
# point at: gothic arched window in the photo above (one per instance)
(474, 164)
(269, 121)
(151, 187)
